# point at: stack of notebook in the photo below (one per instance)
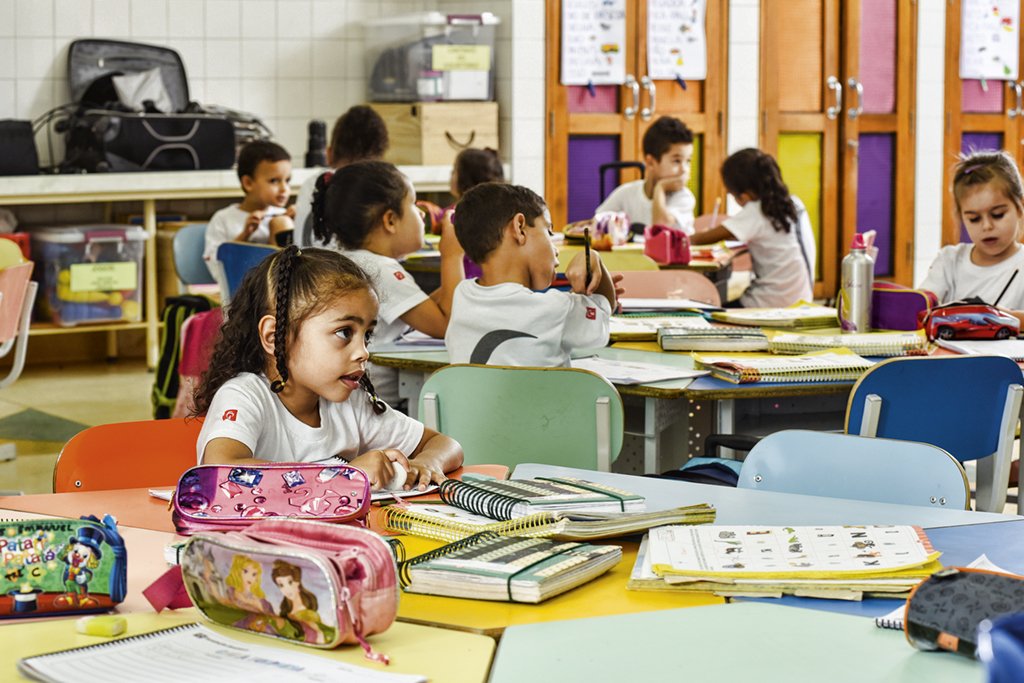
(862, 343)
(838, 365)
(644, 327)
(488, 566)
(801, 314)
(846, 562)
(721, 338)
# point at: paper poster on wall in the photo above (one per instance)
(990, 39)
(676, 40)
(593, 42)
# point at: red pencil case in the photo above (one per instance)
(667, 246)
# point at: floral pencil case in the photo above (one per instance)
(314, 583)
(61, 566)
(226, 497)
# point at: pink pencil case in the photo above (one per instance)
(667, 246)
(308, 582)
(226, 497)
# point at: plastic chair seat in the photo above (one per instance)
(188, 245)
(237, 259)
(670, 284)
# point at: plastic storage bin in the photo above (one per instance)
(90, 274)
(431, 57)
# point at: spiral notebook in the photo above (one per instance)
(512, 498)
(837, 365)
(862, 343)
(449, 523)
(800, 314)
(722, 338)
(487, 566)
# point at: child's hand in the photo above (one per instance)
(252, 224)
(449, 245)
(576, 273)
(617, 281)
(671, 184)
(378, 467)
(290, 211)
(423, 474)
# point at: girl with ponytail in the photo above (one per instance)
(775, 226)
(290, 357)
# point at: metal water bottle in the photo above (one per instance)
(858, 275)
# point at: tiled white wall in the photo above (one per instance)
(744, 79)
(928, 190)
(285, 60)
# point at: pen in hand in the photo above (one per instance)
(1009, 282)
(586, 255)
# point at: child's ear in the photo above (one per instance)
(267, 326)
(650, 161)
(247, 182)
(389, 220)
(518, 227)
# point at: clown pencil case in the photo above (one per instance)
(61, 566)
(304, 581)
(225, 497)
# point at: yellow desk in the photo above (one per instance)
(441, 655)
(605, 595)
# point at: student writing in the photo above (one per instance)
(989, 200)
(369, 209)
(287, 382)
(264, 169)
(505, 317)
(775, 226)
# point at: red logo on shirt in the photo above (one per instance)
(399, 275)
(230, 415)
(591, 313)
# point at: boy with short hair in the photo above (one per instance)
(662, 197)
(265, 170)
(505, 317)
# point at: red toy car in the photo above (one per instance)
(970, 321)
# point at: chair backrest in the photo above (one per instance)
(10, 254)
(602, 172)
(615, 260)
(188, 245)
(14, 281)
(669, 284)
(967, 405)
(507, 416)
(127, 455)
(856, 467)
(238, 258)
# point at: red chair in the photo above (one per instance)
(127, 455)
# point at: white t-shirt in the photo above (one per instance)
(246, 410)
(224, 226)
(398, 294)
(508, 324)
(781, 276)
(631, 199)
(952, 277)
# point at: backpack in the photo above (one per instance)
(165, 387)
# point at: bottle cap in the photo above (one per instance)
(859, 242)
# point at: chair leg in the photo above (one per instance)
(872, 411)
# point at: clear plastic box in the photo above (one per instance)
(431, 57)
(90, 274)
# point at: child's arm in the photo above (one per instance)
(435, 455)
(251, 225)
(601, 282)
(225, 451)
(711, 235)
(660, 214)
(431, 317)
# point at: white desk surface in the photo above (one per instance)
(745, 506)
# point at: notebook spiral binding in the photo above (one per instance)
(885, 622)
(399, 519)
(119, 641)
(477, 500)
(403, 568)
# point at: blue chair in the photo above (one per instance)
(189, 264)
(969, 406)
(856, 467)
(237, 259)
(507, 416)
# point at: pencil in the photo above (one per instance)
(586, 255)
(1008, 283)
(714, 212)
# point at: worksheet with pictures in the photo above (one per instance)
(765, 550)
(593, 42)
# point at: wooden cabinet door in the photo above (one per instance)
(979, 115)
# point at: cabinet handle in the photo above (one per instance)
(1018, 91)
(634, 87)
(652, 91)
(836, 87)
(858, 88)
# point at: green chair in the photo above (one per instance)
(507, 416)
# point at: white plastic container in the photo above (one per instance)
(90, 273)
(431, 57)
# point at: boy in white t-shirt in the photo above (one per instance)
(505, 317)
(662, 197)
(265, 170)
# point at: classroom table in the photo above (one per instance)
(736, 642)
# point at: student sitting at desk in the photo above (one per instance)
(471, 168)
(989, 200)
(505, 317)
(775, 226)
(662, 197)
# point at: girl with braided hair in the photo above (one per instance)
(775, 226)
(290, 357)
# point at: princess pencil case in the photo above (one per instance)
(308, 582)
(61, 566)
(226, 497)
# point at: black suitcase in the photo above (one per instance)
(102, 135)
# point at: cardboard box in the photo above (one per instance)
(433, 133)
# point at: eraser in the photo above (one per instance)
(105, 625)
(397, 481)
